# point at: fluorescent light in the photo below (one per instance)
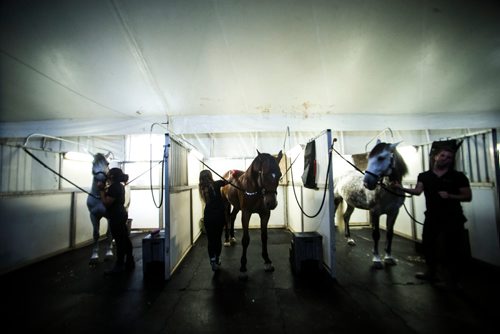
(78, 156)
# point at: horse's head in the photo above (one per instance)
(384, 160)
(100, 167)
(267, 172)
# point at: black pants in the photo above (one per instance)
(119, 232)
(444, 244)
(214, 227)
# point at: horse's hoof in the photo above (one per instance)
(351, 242)
(377, 263)
(94, 258)
(268, 267)
(109, 254)
(389, 260)
(232, 241)
(227, 244)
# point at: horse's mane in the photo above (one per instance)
(256, 164)
(400, 167)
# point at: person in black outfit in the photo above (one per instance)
(113, 199)
(443, 233)
(214, 217)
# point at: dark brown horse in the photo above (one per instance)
(253, 191)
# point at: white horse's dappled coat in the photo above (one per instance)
(373, 191)
(97, 210)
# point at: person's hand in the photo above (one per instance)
(396, 184)
(444, 194)
(100, 185)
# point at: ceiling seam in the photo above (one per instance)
(22, 62)
(138, 55)
(226, 43)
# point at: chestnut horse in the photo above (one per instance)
(253, 191)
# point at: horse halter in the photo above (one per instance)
(392, 164)
(100, 172)
(260, 182)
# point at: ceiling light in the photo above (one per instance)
(78, 156)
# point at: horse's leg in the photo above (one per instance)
(245, 241)
(347, 217)
(109, 246)
(264, 219)
(375, 223)
(226, 226)
(391, 220)
(95, 235)
(232, 239)
(229, 238)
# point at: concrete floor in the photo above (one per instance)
(64, 295)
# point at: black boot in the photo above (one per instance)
(130, 263)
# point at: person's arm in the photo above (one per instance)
(419, 188)
(106, 200)
(464, 195)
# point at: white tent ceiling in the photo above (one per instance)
(107, 67)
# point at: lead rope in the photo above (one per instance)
(69, 181)
(324, 192)
(350, 163)
(53, 171)
(228, 182)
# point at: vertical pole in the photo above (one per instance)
(471, 169)
(302, 205)
(496, 163)
(331, 208)
(476, 153)
(191, 220)
(485, 155)
(166, 204)
(72, 221)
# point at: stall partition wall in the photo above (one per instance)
(303, 202)
(478, 159)
(40, 218)
(33, 227)
(182, 207)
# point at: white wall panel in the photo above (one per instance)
(83, 224)
(293, 210)
(142, 209)
(483, 232)
(180, 228)
(33, 227)
(197, 213)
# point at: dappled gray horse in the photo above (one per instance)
(374, 191)
(97, 210)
